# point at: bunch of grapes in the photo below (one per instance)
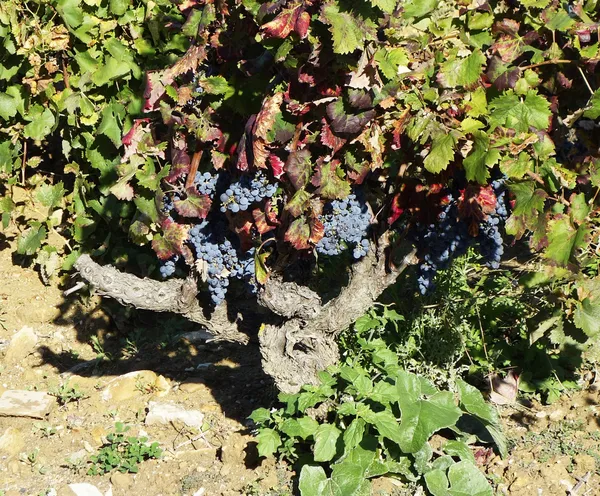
(346, 223)
(439, 243)
(206, 183)
(245, 191)
(167, 269)
(221, 258)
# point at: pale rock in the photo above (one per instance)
(85, 489)
(557, 415)
(127, 386)
(21, 345)
(11, 441)
(192, 385)
(20, 403)
(162, 386)
(121, 481)
(164, 413)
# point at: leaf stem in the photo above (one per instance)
(546, 62)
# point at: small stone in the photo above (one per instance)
(85, 489)
(557, 415)
(21, 345)
(20, 403)
(195, 336)
(164, 413)
(11, 441)
(121, 481)
(192, 385)
(97, 434)
(162, 386)
(127, 386)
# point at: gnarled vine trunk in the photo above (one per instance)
(297, 343)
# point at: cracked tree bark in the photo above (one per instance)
(294, 350)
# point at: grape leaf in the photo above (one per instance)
(462, 71)
(587, 316)
(194, 205)
(463, 479)
(8, 106)
(441, 153)
(592, 110)
(329, 180)
(418, 8)
(389, 59)
(50, 196)
(30, 240)
(299, 168)
(348, 34)
(171, 241)
(564, 240)
(520, 114)
(312, 480)
(480, 159)
(346, 123)
(387, 6)
(298, 234)
(41, 122)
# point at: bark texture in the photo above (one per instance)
(303, 339)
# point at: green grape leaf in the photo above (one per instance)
(389, 59)
(8, 106)
(462, 71)
(441, 153)
(50, 196)
(348, 33)
(564, 240)
(326, 437)
(330, 182)
(514, 112)
(480, 159)
(418, 8)
(353, 435)
(42, 121)
(422, 416)
(593, 108)
(109, 125)
(587, 316)
(387, 6)
(30, 240)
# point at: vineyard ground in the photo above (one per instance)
(86, 345)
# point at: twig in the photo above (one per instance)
(586, 81)
(546, 62)
(193, 169)
(579, 485)
(482, 333)
(74, 289)
(23, 163)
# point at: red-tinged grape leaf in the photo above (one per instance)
(502, 75)
(134, 136)
(330, 182)
(157, 81)
(242, 158)
(302, 25)
(261, 221)
(357, 171)
(242, 223)
(564, 240)
(262, 271)
(299, 203)
(271, 211)
(171, 241)
(396, 209)
(263, 124)
(122, 189)
(266, 117)
(475, 202)
(299, 168)
(284, 23)
(344, 123)
(195, 205)
(298, 234)
(277, 165)
(360, 99)
(329, 139)
(180, 160)
(139, 231)
(218, 159)
(317, 229)
(506, 26)
(366, 75)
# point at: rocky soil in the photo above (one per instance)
(83, 366)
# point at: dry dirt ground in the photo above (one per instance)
(82, 349)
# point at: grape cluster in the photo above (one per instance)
(206, 183)
(245, 191)
(167, 269)
(346, 223)
(221, 257)
(167, 204)
(439, 243)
